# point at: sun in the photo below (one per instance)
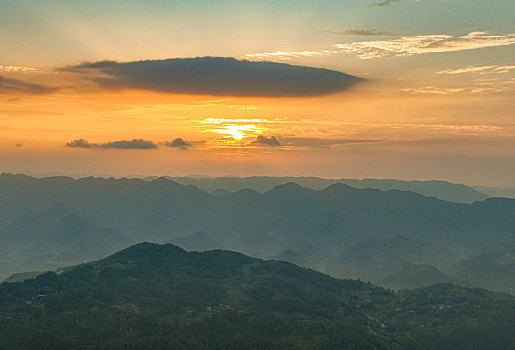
(235, 129)
(238, 132)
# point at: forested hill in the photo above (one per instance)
(159, 296)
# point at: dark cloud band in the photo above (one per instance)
(384, 3)
(9, 86)
(179, 143)
(123, 144)
(217, 76)
(262, 140)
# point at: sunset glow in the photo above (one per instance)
(349, 96)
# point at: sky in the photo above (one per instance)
(400, 89)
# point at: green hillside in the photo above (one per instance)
(161, 297)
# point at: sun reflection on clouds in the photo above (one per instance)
(240, 133)
(233, 132)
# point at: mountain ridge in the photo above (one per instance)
(258, 224)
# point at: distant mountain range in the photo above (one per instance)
(507, 192)
(396, 238)
(160, 296)
(440, 189)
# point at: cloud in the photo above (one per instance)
(402, 47)
(81, 143)
(479, 69)
(431, 90)
(358, 32)
(217, 76)
(18, 69)
(315, 142)
(133, 144)
(8, 86)
(486, 87)
(123, 144)
(262, 140)
(179, 143)
(288, 54)
(423, 44)
(383, 3)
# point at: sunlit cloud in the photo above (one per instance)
(242, 133)
(18, 69)
(318, 142)
(479, 69)
(481, 87)
(245, 107)
(236, 129)
(424, 44)
(401, 47)
(431, 90)
(288, 54)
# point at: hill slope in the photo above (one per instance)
(160, 296)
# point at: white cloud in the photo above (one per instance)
(17, 69)
(402, 47)
(423, 44)
(431, 90)
(479, 69)
(476, 88)
(286, 55)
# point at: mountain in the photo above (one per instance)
(507, 192)
(52, 240)
(410, 275)
(493, 268)
(50, 222)
(304, 253)
(152, 296)
(394, 261)
(440, 189)
(342, 215)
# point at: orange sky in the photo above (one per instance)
(421, 114)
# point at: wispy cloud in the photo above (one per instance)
(474, 89)
(317, 142)
(358, 32)
(383, 3)
(431, 90)
(424, 44)
(479, 69)
(401, 47)
(18, 69)
(288, 54)
(9, 86)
